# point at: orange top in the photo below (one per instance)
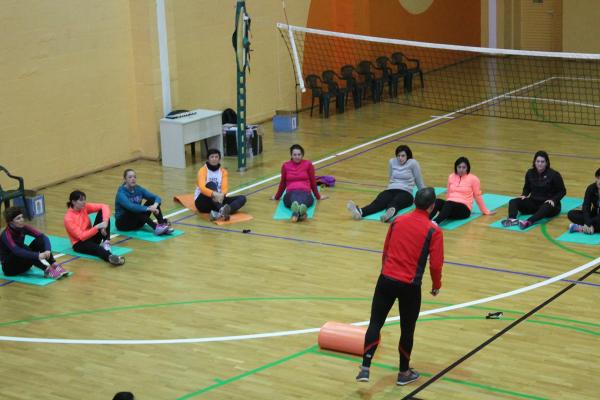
(78, 224)
(462, 189)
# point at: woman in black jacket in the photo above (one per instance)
(587, 220)
(542, 192)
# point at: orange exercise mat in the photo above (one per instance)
(341, 337)
(187, 200)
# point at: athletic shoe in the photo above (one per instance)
(575, 228)
(406, 379)
(161, 229)
(225, 212)
(295, 207)
(302, 210)
(170, 228)
(116, 260)
(508, 222)
(214, 215)
(52, 273)
(353, 208)
(295, 217)
(106, 245)
(61, 271)
(388, 215)
(524, 224)
(363, 375)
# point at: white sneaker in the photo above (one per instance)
(353, 208)
(106, 245)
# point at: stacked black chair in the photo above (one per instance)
(408, 72)
(388, 75)
(353, 84)
(341, 94)
(371, 80)
(314, 83)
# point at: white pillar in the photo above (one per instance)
(163, 48)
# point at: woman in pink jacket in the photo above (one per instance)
(461, 189)
(298, 181)
(85, 237)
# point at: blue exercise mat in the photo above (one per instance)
(282, 212)
(144, 233)
(377, 215)
(63, 245)
(492, 202)
(34, 276)
(580, 238)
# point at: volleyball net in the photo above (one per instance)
(530, 85)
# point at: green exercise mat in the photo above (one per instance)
(579, 237)
(34, 276)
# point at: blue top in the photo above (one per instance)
(132, 200)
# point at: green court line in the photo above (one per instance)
(314, 349)
(562, 246)
(176, 303)
(557, 125)
(462, 318)
(248, 373)
(241, 299)
(425, 374)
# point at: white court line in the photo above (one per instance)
(554, 101)
(301, 331)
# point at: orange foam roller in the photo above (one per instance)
(341, 337)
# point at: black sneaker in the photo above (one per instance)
(510, 222)
(116, 260)
(406, 379)
(225, 212)
(363, 375)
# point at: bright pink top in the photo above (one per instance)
(78, 224)
(463, 189)
(300, 176)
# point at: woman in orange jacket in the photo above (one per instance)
(88, 238)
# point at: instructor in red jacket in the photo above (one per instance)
(410, 240)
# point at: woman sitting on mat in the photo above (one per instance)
(542, 192)
(211, 192)
(130, 214)
(461, 189)
(587, 220)
(85, 237)
(16, 257)
(404, 173)
(298, 181)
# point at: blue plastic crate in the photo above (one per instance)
(285, 121)
(35, 203)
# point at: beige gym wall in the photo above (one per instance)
(202, 63)
(71, 75)
(81, 86)
(581, 29)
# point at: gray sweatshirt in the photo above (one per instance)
(405, 176)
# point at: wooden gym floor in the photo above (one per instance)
(215, 282)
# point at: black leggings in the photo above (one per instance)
(92, 246)
(409, 304)
(206, 204)
(131, 221)
(15, 265)
(539, 208)
(396, 198)
(449, 210)
(299, 196)
(576, 217)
